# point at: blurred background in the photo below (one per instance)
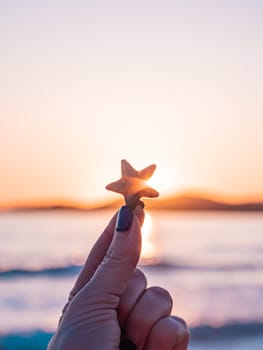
(85, 84)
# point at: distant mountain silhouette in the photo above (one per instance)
(182, 202)
(192, 202)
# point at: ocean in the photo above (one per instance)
(211, 263)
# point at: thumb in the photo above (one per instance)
(112, 275)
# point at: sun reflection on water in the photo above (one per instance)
(148, 239)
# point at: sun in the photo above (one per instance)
(162, 181)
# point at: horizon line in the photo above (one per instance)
(81, 204)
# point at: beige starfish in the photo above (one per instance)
(132, 183)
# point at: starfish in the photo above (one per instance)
(132, 184)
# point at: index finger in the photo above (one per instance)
(97, 254)
(95, 257)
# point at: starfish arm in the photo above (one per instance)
(116, 186)
(132, 183)
(128, 170)
(149, 192)
(146, 173)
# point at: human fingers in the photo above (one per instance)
(153, 305)
(98, 252)
(95, 257)
(169, 333)
(135, 288)
(110, 279)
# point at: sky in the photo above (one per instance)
(85, 84)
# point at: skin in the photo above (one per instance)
(111, 300)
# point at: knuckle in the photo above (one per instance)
(181, 321)
(139, 276)
(163, 332)
(112, 257)
(121, 254)
(114, 262)
(182, 329)
(161, 293)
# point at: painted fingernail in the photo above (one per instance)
(126, 344)
(124, 218)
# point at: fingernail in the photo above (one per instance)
(126, 344)
(124, 218)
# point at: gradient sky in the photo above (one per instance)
(84, 84)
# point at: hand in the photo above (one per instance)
(110, 302)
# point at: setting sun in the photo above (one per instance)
(162, 181)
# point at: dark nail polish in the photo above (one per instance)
(124, 218)
(127, 345)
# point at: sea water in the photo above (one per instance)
(211, 263)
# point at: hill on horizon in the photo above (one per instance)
(182, 202)
(195, 202)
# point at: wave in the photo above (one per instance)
(234, 330)
(72, 270)
(62, 271)
(39, 339)
(33, 340)
(166, 265)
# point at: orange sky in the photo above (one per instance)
(85, 85)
